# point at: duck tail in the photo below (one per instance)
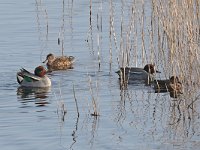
(118, 72)
(24, 70)
(71, 58)
(20, 77)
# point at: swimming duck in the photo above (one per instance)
(138, 74)
(59, 63)
(173, 85)
(38, 79)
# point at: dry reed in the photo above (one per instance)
(169, 37)
(75, 101)
(94, 99)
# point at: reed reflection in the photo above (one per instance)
(183, 119)
(74, 134)
(121, 110)
(94, 130)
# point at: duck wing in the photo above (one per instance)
(136, 70)
(131, 70)
(26, 74)
(71, 58)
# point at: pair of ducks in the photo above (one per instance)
(39, 78)
(146, 74)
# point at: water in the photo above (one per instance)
(136, 118)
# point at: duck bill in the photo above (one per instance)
(158, 71)
(44, 61)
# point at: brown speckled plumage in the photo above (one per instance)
(59, 63)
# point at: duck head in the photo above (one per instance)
(40, 71)
(174, 79)
(175, 87)
(50, 58)
(150, 68)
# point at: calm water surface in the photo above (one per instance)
(131, 119)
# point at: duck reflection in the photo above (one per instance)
(37, 95)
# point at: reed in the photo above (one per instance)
(62, 27)
(179, 24)
(75, 101)
(176, 32)
(47, 23)
(94, 99)
(99, 39)
(112, 28)
(42, 24)
(175, 38)
(110, 32)
(61, 108)
(90, 12)
(134, 35)
(167, 36)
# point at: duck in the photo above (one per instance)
(138, 74)
(172, 85)
(59, 63)
(37, 80)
